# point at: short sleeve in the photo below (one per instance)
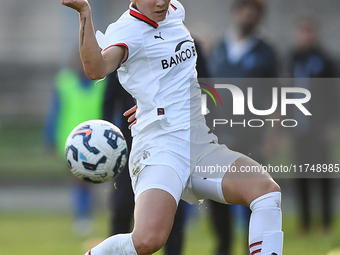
(124, 33)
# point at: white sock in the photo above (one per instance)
(121, 244)
(265, 235)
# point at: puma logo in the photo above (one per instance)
(159, 36)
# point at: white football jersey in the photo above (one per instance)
(159, 68)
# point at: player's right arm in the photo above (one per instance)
(132, 118)
(97, 64)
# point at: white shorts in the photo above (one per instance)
(179, 161)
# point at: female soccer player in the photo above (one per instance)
(156, 57)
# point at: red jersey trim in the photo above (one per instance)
(142, 17)
(173, 7)
(120, 44)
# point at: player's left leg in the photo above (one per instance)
(262, 194)
(218, 178)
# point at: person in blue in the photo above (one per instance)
(314, 135)
(241, 54)
(75, 99)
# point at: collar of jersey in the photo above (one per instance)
(138, 15)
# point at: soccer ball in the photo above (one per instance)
(96, 151)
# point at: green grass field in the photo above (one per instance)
(22, 234)
(23, 155)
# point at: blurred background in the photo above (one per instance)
(37, 39)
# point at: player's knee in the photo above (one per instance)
(271, 186)
(150, 242)
(263, 187)
(275, 187)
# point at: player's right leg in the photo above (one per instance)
(154, 216)
(158, 190)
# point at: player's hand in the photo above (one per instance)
(132, 118)
(78, 5)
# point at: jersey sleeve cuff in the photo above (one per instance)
(126, 56)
